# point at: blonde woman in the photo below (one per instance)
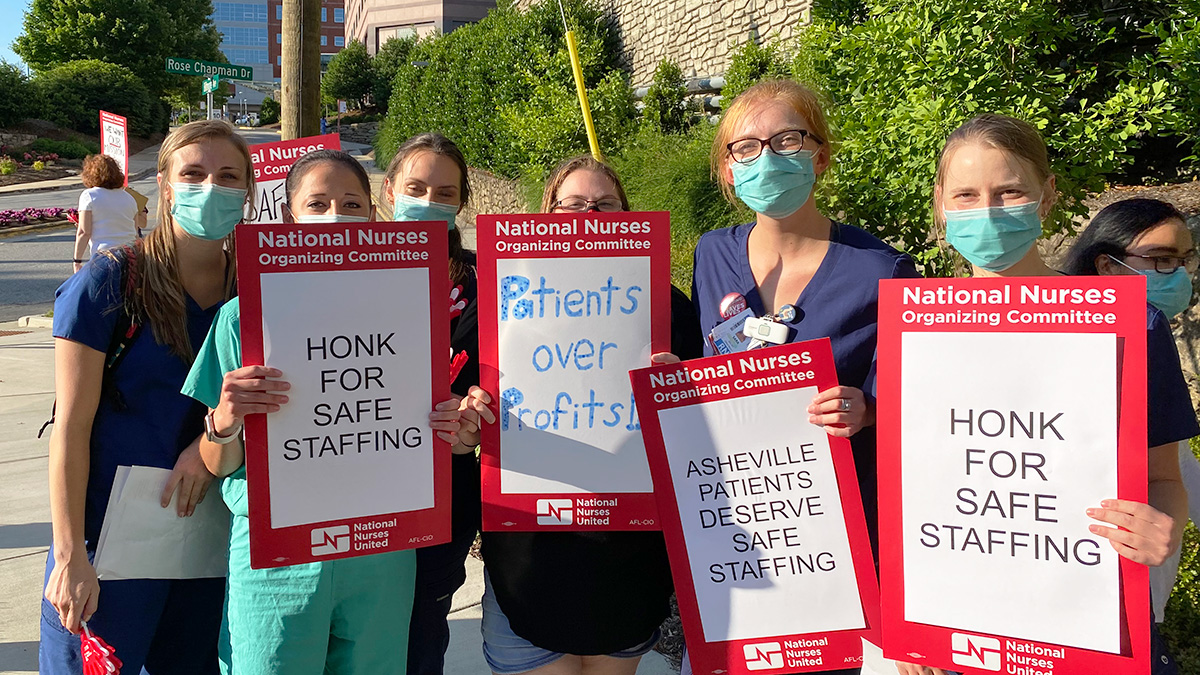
(126, 328)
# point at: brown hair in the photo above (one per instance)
(802, 99)
(308, 162)
(102, 171)
(570, 166)
(158, 295)
(444, 147)
(1015, 137)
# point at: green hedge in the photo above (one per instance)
(65, 149)
(1181, 625)
(16, 95)
(73, 94)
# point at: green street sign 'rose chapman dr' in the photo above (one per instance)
(207, 68)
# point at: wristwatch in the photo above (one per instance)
(210, 431)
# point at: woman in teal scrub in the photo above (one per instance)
(341, 616)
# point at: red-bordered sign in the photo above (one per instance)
(355, 315)
(114, 140)
(272, 162)
(1007, 407)
(761, 512)
(568, 304)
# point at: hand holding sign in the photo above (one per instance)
(1146, 535)
(843, 411)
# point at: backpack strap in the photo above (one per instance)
(125, 333)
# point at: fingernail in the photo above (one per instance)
(285, 399)
(1107, 503)
(1094, 528)
(1092, 512)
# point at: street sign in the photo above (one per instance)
(193, 67)
(210, 84)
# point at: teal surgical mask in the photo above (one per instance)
(775, 185)
(205, 210)
(330, 218)
(994, 238)
(1171, 293)
(410, 208)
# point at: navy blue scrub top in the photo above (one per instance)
(1171, 418)
(840, 302)
(157, 422)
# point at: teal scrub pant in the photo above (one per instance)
(341, 617)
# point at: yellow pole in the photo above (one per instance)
(581, 90)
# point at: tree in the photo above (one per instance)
(16, 95)
(136, 34)
(666, 104)
(269, 111)
(350, 75)
(387, 61)
(74, 93)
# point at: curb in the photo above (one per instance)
(74, 186)
(37, 321)
(25, 229)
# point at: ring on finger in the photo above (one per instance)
(844, 406)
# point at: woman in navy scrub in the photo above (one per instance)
(772, 146)
(1151, 238)
(172, 283)
(992, 190)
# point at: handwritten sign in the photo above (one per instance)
(272, 162)
(349, 466)
(761, 512)
(1006, 409)
(568, 305)
(114, 140)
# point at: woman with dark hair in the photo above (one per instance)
(1151, 238)
(339, 617)
(107, 213)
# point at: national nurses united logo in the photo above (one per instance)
(555, 512)
(763, 656)
(330, 540)
(975, 651)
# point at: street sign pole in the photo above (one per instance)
(210, 105)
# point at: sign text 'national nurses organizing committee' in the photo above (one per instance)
(761, 512)
(568, 304)
(356, 318)
(1007, 408)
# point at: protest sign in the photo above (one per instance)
(568, 304)
(1006, 409)
(272, 162)
(356, 318)
(760, 510)
(114, 140)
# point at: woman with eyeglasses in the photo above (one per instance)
(1150, 237)
(579, 603)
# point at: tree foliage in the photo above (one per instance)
(16, 95)
(268, 113)
(350, 75)
(387, 61)
(74, 93)
(666, 99)
(502, 88)
(136, 34)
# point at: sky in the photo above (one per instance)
(10, 29)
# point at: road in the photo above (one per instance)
(33, 265)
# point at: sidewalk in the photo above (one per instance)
(26, 392)
(141, 165)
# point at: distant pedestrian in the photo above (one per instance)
(324, 126)
(107, 214)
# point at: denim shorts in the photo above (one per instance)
(508, 653)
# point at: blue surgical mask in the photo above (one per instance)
(410, 208)
(994, 238)
(329, 218)
(1170, 293)
(205, 210)
(774, 185)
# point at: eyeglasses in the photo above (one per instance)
(580, 205)
(785, 143)
(1166, 264)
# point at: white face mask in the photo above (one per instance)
(330, 218)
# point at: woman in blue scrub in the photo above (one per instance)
(771, 148)
(1151, 238)
(338, 617)
(992, 191)
(128, 410)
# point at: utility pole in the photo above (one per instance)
(301, 69)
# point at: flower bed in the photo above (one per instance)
(33, 216)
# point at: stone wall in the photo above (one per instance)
(698, 35)
(363, 132)
(489, 194)
(14, 139)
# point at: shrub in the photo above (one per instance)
(666, 99)
(749, 64)
(497, 85)
(16, 95)
(8, 166)
(269, 112)
(670, 172)
(74, 93)
(67, 149)
(902, 80)
(1181, 624)
(38, 165)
